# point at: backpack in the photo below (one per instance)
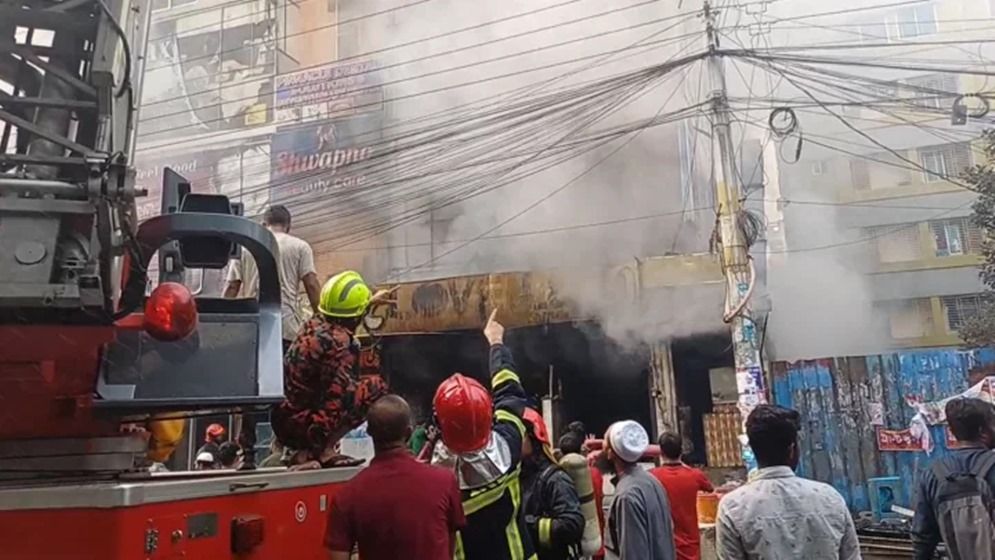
(965, 509)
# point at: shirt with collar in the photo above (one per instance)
(778, 515)
(397, 508)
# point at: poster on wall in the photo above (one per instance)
(933, 413)
(328, 92)
(311, 162)
(898, 440)
(202, 80)
(876, 412)
(241, 173)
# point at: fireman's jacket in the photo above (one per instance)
(552, 510)
(495, 527)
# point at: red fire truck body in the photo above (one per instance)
(267, 514)
(86, 347)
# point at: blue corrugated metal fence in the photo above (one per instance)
(835, 398)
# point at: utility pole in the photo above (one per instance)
(734, 253)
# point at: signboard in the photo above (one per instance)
(218, 78)
(463, 303)
(313, 161)
(327, 92)
(898, 440)
(241, 173)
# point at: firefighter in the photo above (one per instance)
(324, 395)
(551, 505)
(482, 442)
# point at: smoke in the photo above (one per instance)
(538, 223)
(657, 315)
(822, 302)
(583, 216)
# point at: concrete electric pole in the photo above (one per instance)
(734, 253)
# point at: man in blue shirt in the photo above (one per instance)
(972, 422)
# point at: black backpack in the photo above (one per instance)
(965, 508)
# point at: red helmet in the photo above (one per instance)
(214, 431)
(463, 411)
(533, 417)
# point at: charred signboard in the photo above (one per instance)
(462, 303)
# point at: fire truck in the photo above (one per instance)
(86, 346)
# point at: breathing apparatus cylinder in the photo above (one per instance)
(576, 466)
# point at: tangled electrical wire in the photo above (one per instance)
(751, 226)
(783, 124)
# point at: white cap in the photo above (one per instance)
(205, 457)
(628, 439)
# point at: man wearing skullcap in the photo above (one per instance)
(639, 525)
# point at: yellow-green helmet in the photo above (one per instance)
(345, 295)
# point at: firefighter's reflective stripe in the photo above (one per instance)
(460, 555)
(480, 499)
(491, 493)
(545, 532)
(502, 377)
(505, 416)
(514, 537)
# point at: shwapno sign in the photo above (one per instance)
(319, 159)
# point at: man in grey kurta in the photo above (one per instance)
(639, 525)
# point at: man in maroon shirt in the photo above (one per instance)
(396, 507)
(682, 484)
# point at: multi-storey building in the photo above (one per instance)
(900, 213)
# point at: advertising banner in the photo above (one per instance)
(328, 92)
(219, 78)
(313, 161)
(898, 440)
(241, 173)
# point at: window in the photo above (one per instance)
(860, 175)
(960, 308)
(944, 162)
(911, 22)
(934, 91)
(909, 318)
(897, 243)
(956, 236)
(167, 4)
(871, 33)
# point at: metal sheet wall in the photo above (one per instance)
(837, 398)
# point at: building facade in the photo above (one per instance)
(899, 211)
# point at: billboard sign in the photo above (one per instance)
(241, 173)
(218, 79)
(328, 91)
(315, 160)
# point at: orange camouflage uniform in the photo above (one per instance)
(322, 387)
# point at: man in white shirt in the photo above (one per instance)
(296, 264)
(778, 515)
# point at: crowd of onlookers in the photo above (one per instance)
(487, 483)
